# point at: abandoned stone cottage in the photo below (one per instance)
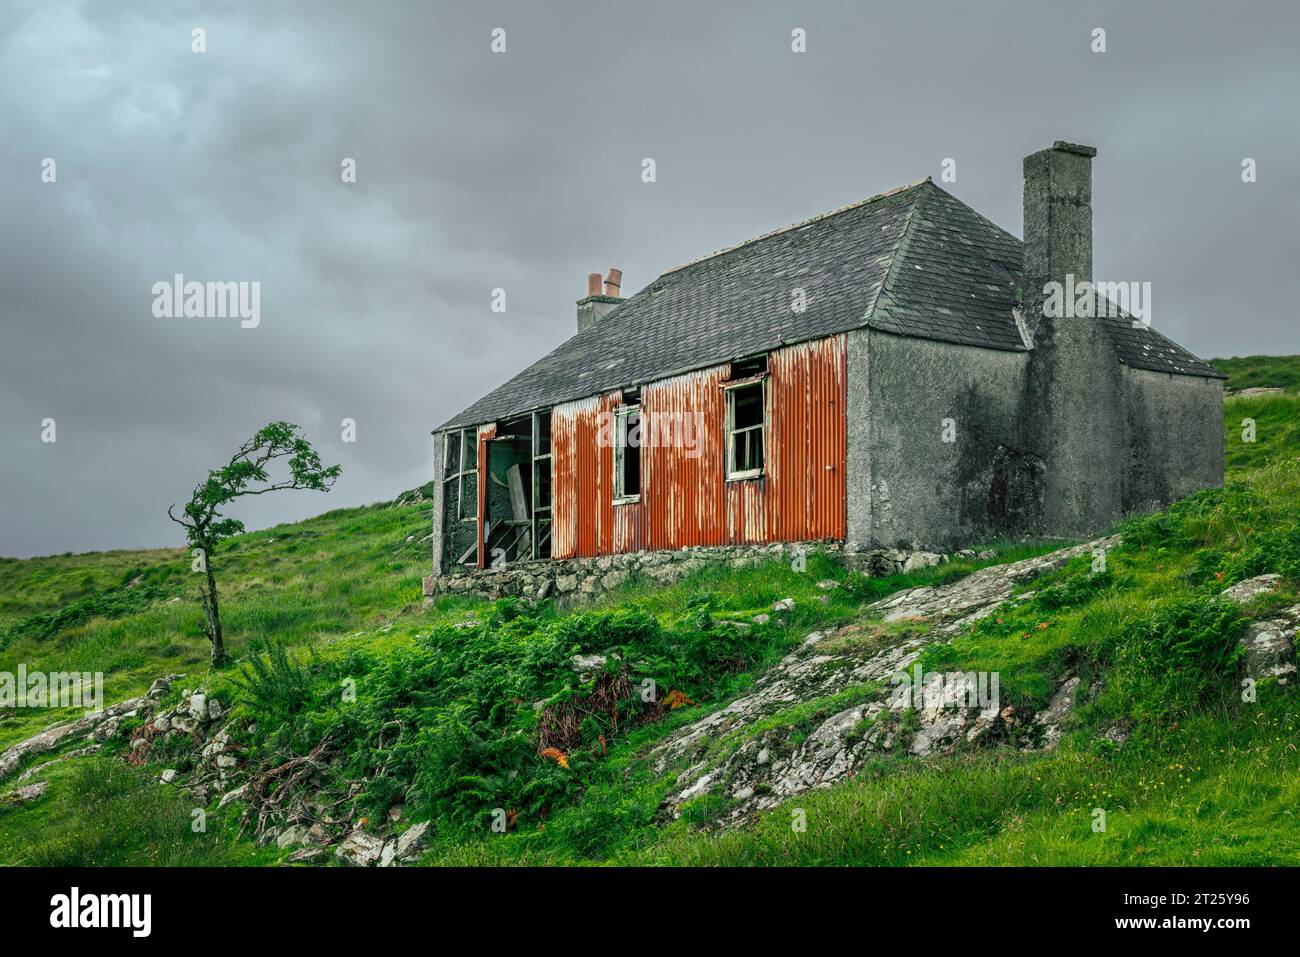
(888, 376)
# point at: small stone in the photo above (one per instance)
(785, 604)
(412, 840)
(227, 760)
(230, 796)
(762, 619)
(198, 706)
(1119, 734)
(108, 729)
(360, 849)
(168, 776)
(587, 663)
(295, 834)
(919, 560)
(827, 584)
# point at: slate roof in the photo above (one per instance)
(915, 261)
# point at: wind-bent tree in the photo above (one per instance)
(246, 474)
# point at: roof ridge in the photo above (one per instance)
(799, 225)
(899, 252)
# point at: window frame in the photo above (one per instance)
(730, 389)
(621, 414)
(458, 477)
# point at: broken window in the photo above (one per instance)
(627, 453)
(460, 496)
(746, 428)
(508, 496)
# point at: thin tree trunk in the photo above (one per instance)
(214, 615)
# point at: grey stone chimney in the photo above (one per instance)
(598, 304)
(1058, 214)
(1074, 399)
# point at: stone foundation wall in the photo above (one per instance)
(575, 580)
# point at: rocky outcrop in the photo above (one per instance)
(28, 792)
(774, 742)
(1269, 641)
(1245, 591)
(1270, 646)
(56, 737)
(950, 608)
(362, 849)
(1050, 719)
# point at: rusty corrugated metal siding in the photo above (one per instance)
(683, 494)
(808, 401)
(685, 498)
(582, 479)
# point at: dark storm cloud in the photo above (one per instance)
(521, 171)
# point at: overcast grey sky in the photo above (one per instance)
(521, 170)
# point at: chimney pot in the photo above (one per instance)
(598, 304)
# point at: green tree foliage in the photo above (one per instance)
(247, 473)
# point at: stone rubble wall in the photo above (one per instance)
(577, 580)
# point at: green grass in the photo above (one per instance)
(101, 812)
(1246, 372)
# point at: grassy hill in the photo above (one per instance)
(445, 725)
(1246, 372)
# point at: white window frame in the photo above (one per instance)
(621, 415)
(730, 388)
